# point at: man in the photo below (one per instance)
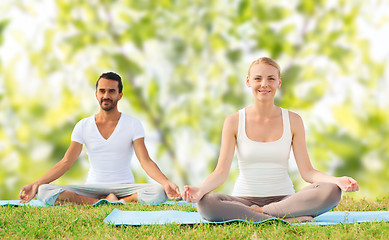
(110, 138)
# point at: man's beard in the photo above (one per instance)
(110, 107)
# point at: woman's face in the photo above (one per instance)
(263, 81)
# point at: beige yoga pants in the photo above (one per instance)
(312, 200)
(151, 194)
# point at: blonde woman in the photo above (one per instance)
(263, 134)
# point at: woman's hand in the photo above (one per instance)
(347, 184)
(192, 194)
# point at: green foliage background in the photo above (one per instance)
(184, 64)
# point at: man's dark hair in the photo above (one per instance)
(112, 76)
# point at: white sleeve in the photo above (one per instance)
(138, 131)
(77, 134)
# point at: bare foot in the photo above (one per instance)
(300, 219)
(122, 201)
(256, 208)
(112, 197)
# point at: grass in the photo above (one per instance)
(86, 222)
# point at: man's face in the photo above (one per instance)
(107, 93)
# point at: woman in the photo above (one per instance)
(263, 135)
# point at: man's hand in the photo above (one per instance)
(28, 192)
(347, 184)
(172, 190)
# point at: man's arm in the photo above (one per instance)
(29, 191)
(153, 170)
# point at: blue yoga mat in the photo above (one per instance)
(32, 203)
(37, 203)
(337, 217)
(180, 203)
(136, 218)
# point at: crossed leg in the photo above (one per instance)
(89, 194)
(71, 197)
(311, 201)
(131, 198)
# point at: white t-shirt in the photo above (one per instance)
(109, 158)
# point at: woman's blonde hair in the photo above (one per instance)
(267, 61)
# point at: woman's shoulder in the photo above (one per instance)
(296, 121)
(232, 118)
(294, 116)
(231, 122)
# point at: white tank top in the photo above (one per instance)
(263, 166)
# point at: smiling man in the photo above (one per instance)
(110, 139)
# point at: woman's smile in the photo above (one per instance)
(264, 91)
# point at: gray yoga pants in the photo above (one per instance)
(147, 193)
(312, 200)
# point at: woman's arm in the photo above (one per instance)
(307, 172)
(220, 174)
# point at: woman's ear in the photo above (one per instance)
(248, 81)
(279, 84)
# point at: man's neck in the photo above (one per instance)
(112, 115)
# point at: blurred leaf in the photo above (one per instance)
(183, 66)
(3, 25)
